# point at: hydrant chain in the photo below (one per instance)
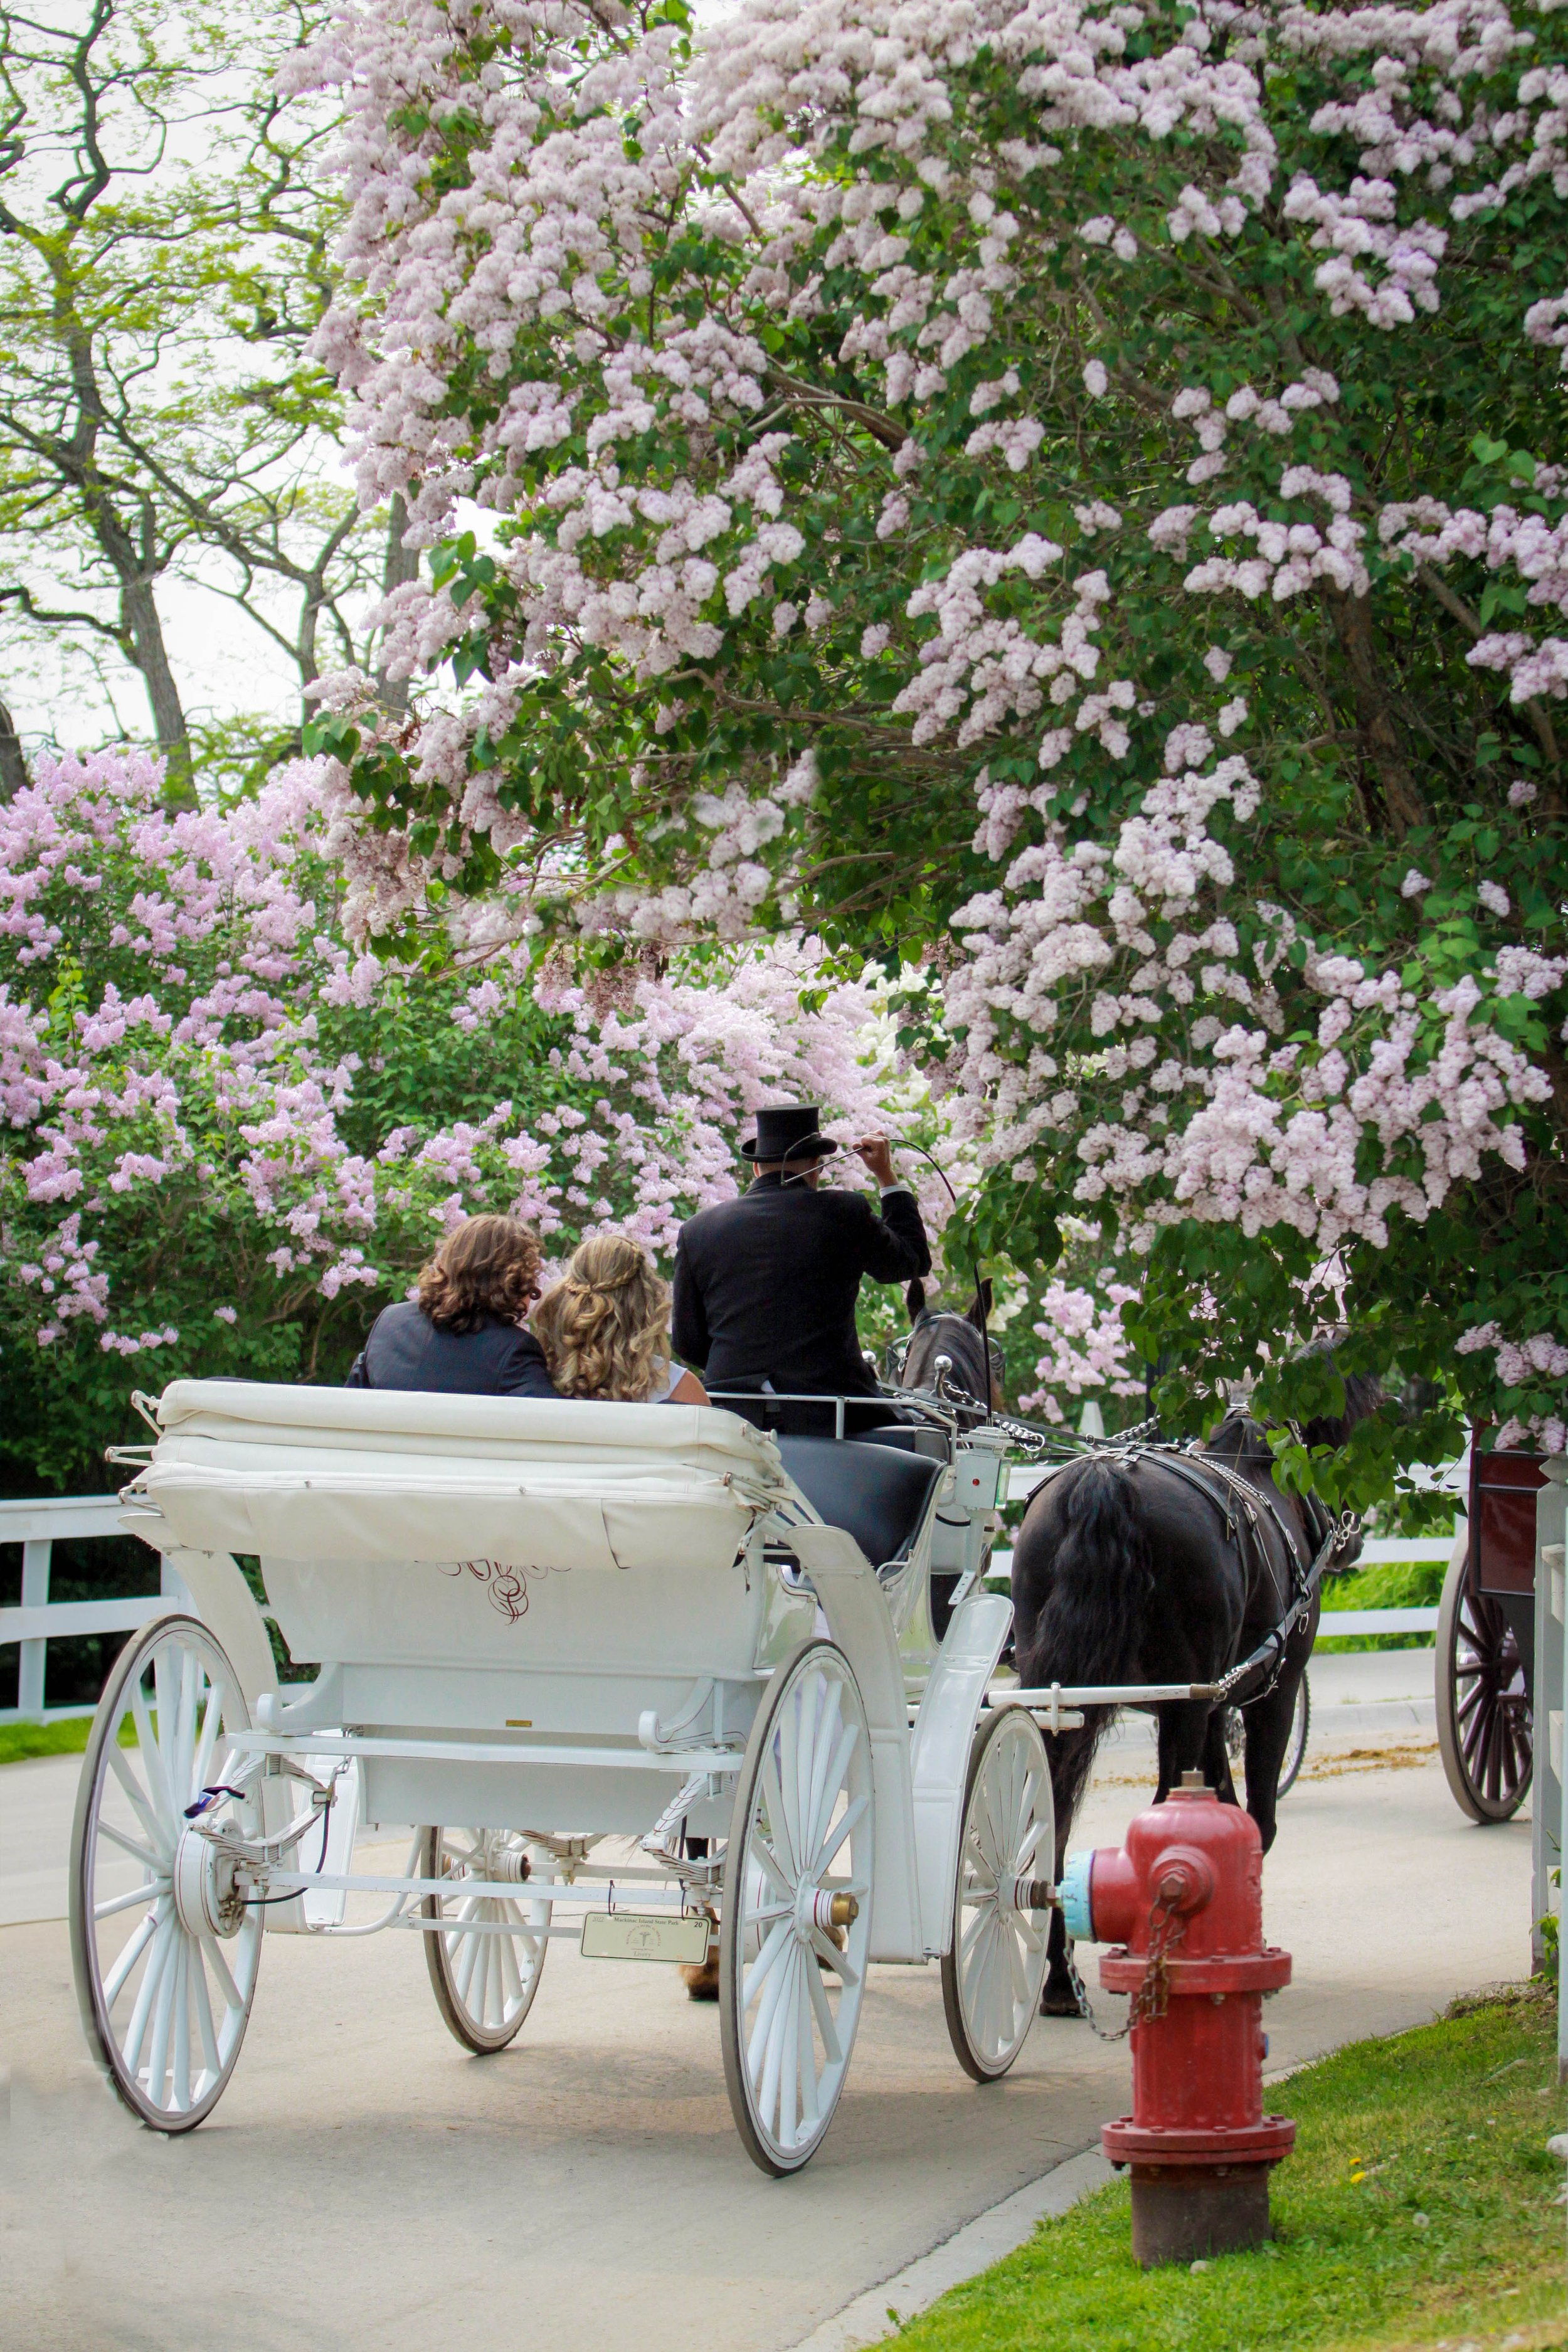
(1166, 1926)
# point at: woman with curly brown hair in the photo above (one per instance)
(604, 1328)
(464, 1334)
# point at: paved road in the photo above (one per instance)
(365, 2184)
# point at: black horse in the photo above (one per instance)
(963, 1340)
(1133, 1571)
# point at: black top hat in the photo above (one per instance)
(788, 1131)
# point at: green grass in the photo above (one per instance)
(20, 1740)
(1389, 1584)
(1420, 2205)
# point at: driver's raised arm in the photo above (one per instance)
(893, 1245)
(893, 1240)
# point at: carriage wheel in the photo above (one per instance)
(484, 1979)
(164, 1948)
(1484, 1732)
(1295, 1747)
(796, 1929)
(1296, 1752)
(991, 1980)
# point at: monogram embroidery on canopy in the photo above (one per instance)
(506, 1584)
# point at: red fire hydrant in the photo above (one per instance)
(1185, 1902)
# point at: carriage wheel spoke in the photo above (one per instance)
(115, 1982)
(854, 1812)
(142, 1893)
(205, 2025)
(831, 2047)
(775, 1943)
(144, 1806)
(825, 1794)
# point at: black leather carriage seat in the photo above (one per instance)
(909, 1438)
(876, 1494)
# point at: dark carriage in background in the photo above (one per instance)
(1486, 1641)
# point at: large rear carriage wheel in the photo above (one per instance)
(1484, 1729)
(165, 1947)
(796, 1929)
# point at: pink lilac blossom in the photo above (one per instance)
(142, 1100)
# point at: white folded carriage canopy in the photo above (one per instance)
(353, 1474)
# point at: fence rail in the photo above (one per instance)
(38, 1527)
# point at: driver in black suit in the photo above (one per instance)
(765, 1286)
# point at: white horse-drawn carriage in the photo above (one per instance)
(568, 1641)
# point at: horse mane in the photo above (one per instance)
(1240, 1437)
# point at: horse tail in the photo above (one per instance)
(1091, 1627)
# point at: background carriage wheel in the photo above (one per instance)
(991, 1980)
(485, 1968)
(1296, 1750)
(1295, 1747)
(1484, 1729)
(790, 1977)
(164, 1948)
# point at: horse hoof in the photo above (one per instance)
(1059, 2001)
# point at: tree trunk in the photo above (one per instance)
(14, 776)
(402, 565)
(1381, 745)
(139, 613)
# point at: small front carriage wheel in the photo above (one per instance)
(992, 1977)
(164, 1943)
(797, 1930)
(484, 1968)
(1484, 1729)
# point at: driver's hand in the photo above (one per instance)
(878, 1155)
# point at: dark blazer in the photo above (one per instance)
(765, 1286)
(406, 1350)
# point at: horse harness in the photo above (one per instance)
(1239, 1503)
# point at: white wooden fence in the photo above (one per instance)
(38, 1527)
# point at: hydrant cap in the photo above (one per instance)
(1183, 1878)
(1078, 1912)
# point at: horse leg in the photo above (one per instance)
(1184, 1742)
(1217, 1759)
(1267, 1731)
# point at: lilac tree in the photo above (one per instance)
(232, 1136)
(1070, 492)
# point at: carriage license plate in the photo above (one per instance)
(644, 1935)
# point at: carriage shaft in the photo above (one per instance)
(1101, 1693)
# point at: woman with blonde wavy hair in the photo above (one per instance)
(604, 1328)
